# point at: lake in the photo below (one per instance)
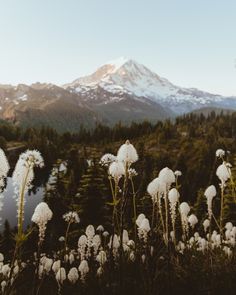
(9, 205)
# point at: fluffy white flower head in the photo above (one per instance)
(173, 196)
(220, 153)
(184, 208)
(178, 173)
(155, 187)
(140, 219)
(71, 217)
(4, 165)
(206, 224)
(107, 159)
(127, 153)
(166, 176)
(223, 172)
(73, 275)
(42, 214)
(210, 192)
(116, 170)
(192, 220)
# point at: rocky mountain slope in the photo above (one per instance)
(121, 90)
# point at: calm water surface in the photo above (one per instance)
(9, 205)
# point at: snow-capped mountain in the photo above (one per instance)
(119, 91)
(126, 76)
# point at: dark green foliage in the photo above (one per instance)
(93, 194)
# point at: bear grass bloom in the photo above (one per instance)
(22, 177)
(224, 173)
(173, 197)
(107, 159)
(127, 153)
(73, 275)
(71, 217)
(83, 269)
(184, 211)
(167, 177)
(4, 168)
(192, 219)
(210, 193)
(61, 275)
(116, 170)
(156, 187)
(143, 227)
(42, 214)
(220, 153)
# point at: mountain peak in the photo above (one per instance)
(117, 63)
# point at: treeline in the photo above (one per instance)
(194, 125)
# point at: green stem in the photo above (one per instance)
(21, 209)
(167, 218)
(66, 236)
(221, 207)
(134, 207)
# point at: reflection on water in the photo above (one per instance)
(9, 205)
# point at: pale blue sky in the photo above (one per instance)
(189, 42)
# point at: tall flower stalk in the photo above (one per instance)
(70, 217)
(23, 176)
(224, 173)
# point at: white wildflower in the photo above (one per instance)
(229, 226)
(155, 187)
(114, 244)
(5, 270)
(140, 219)
(96, 244)
(56, 266)
(22, 177)
(184, 211)
(61, 275)
(105, 234)
(127, 153)
(73, 275)
(100, 229)
(132, 172)
(71, 217)
(166, 176)
(101, 257)
(206, 224)
(3, 285)
(42, 214)
(116, 170)
(178, 173)
(83, 269)
(48, 264)
(144, 229)
(220, 153)
(4, 168)
(210, 193)
(107, 159)
(223, 172)
(82, 244)
(71, 258)
(173, 197)
(192, 219)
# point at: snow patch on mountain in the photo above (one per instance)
(126, 76)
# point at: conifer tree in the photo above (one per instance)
(93, 195)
